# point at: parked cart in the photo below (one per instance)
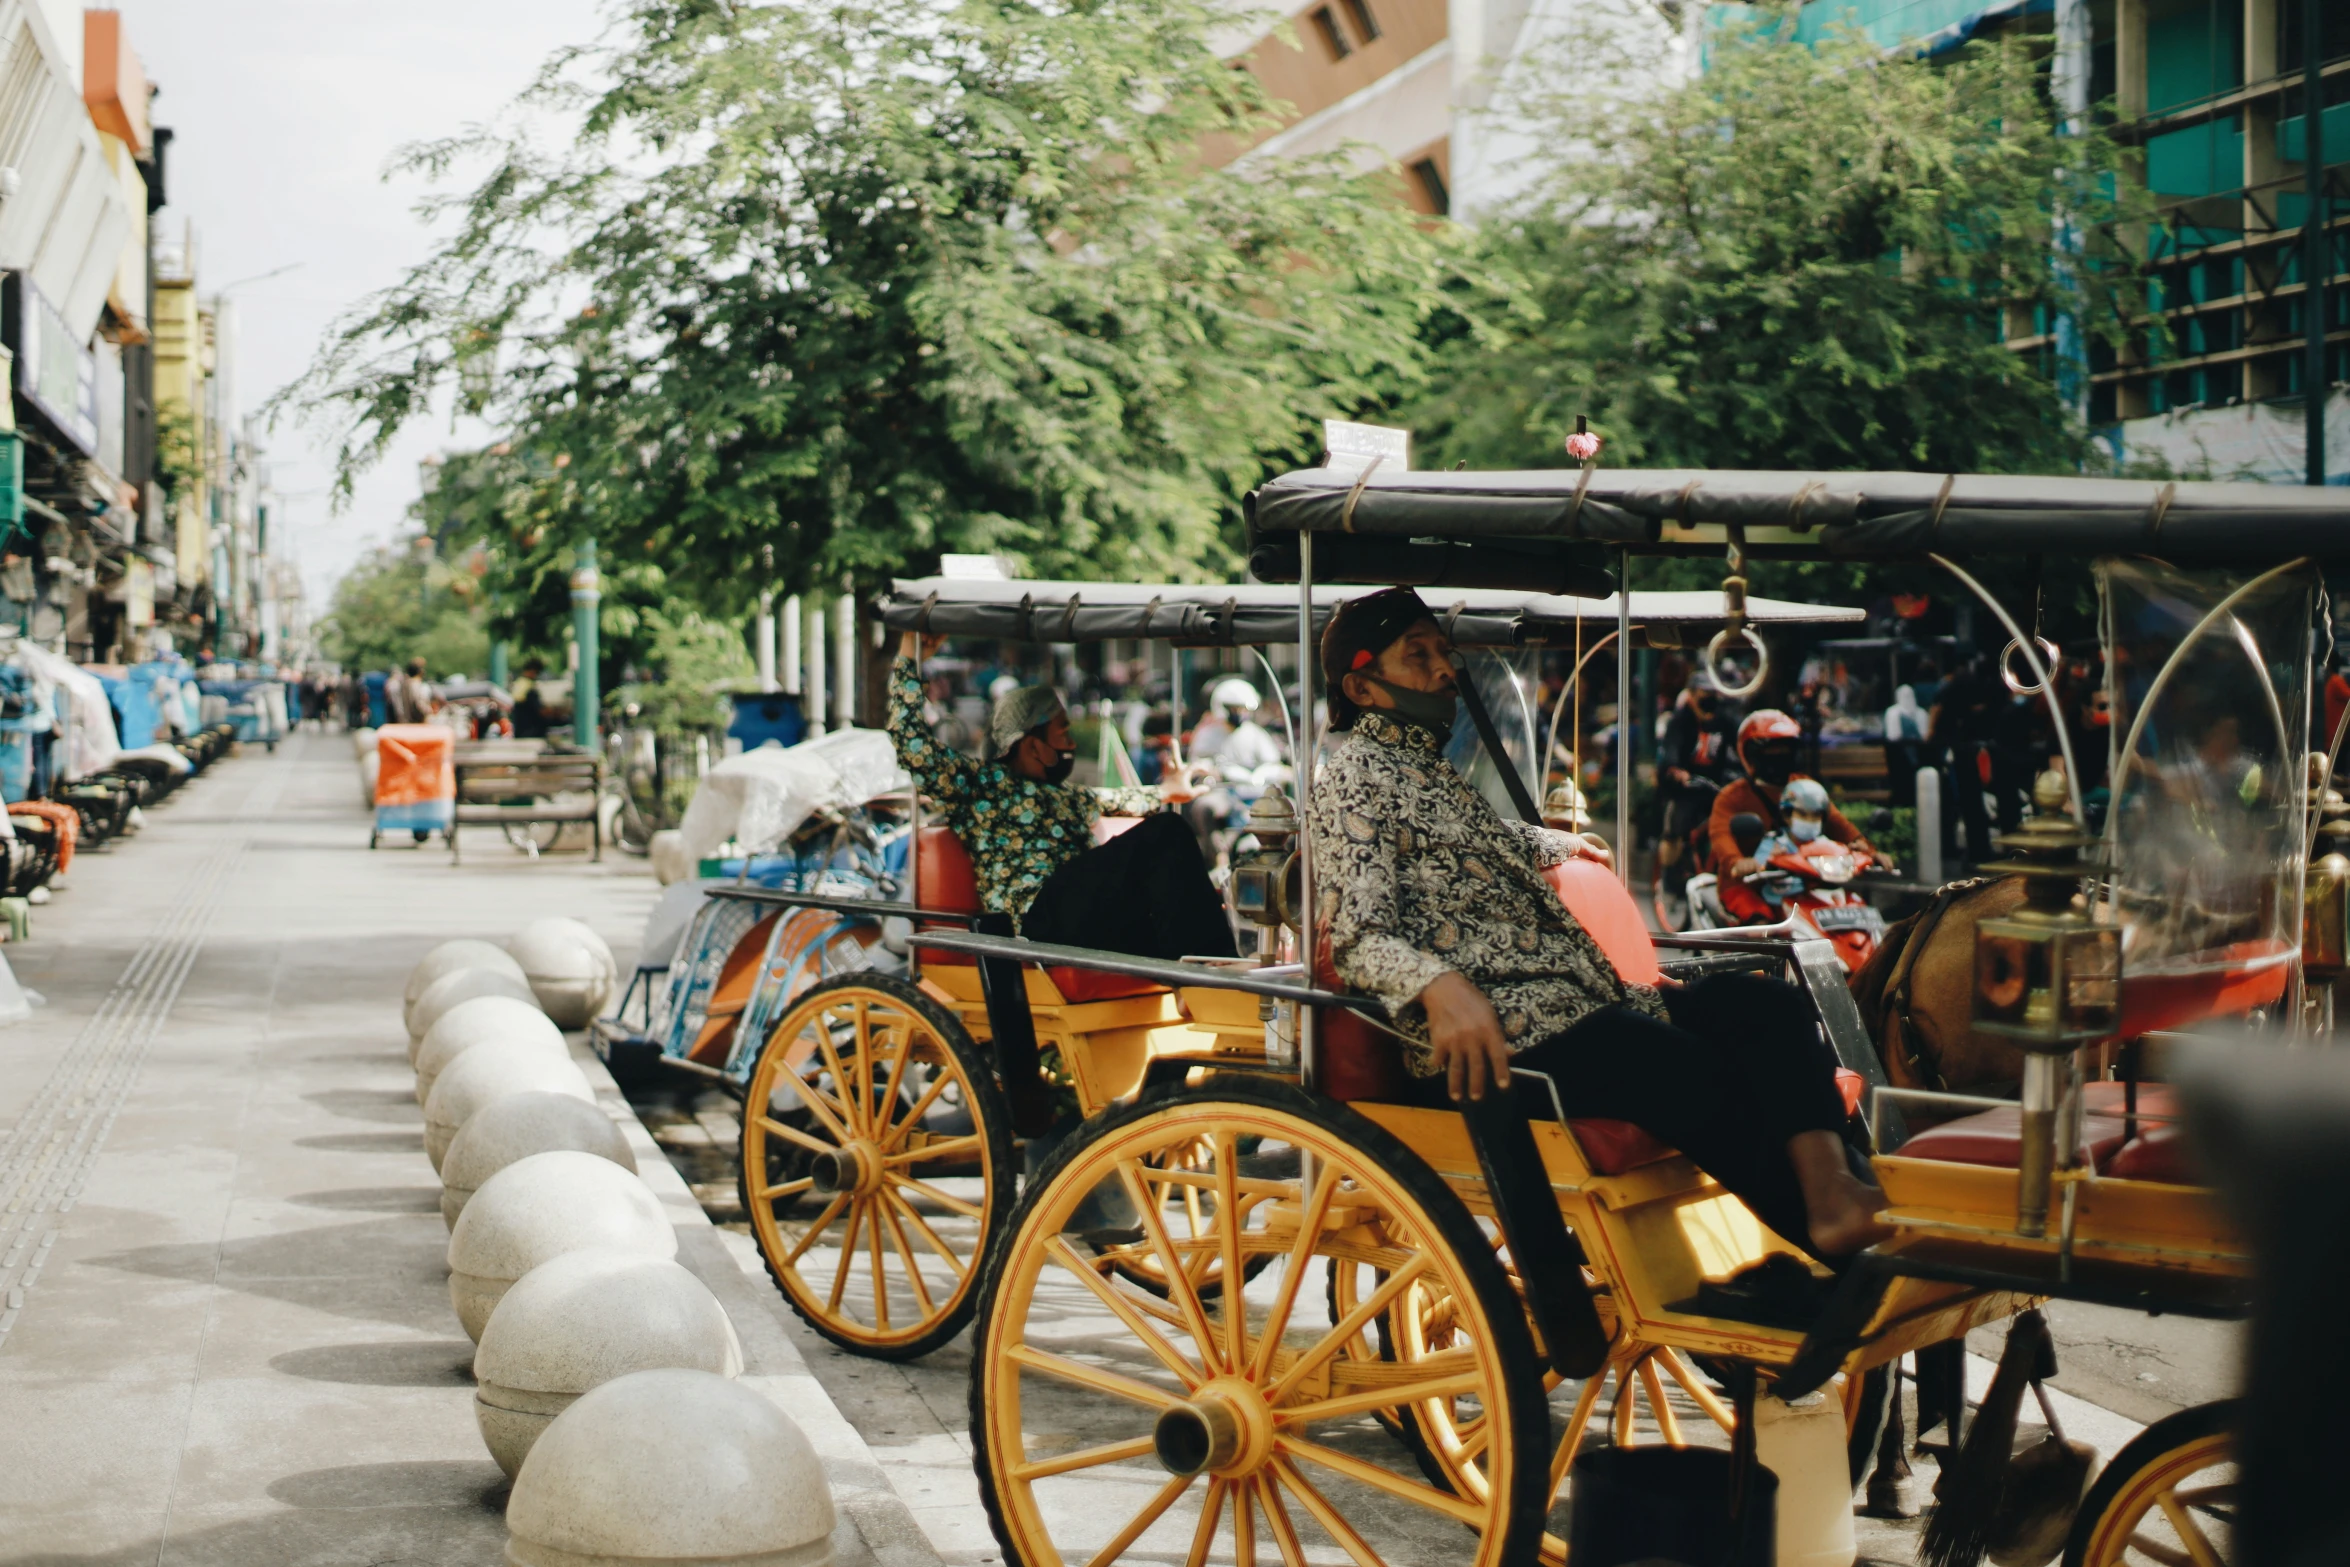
(416, 783)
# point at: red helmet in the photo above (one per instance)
(1768, 731)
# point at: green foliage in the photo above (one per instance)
(689, 660)
(828, 286)
(178, 462)
(659, 653)
(397, 605)
(1798, 259)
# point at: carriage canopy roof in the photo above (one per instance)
(1858, 516)
(1254, 613)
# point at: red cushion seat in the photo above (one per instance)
(1994, 1137)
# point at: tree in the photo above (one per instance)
(1797, 259)
(833, 285)
(402, 603)
(657, 649)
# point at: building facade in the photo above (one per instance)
(133, 494)
(2212, 95)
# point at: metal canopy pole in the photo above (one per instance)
(1624, 716)
(2317, 242)
(1308, 1066)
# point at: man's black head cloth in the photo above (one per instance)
(1358, 633)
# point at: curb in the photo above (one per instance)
(876, 1528)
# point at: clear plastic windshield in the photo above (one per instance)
(1510, 681)
(2208, 678)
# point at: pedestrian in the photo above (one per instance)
(530, 703)
(1905, 747)
(1968, 717)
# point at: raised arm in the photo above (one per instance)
(946, 775)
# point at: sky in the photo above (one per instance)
(288, 113)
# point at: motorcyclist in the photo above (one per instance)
(1246, 750)
(1693, 762)
(1244, 758)
(1769, 745)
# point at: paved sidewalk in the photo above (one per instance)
(225, 1334)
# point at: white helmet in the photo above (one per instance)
(1235, 693)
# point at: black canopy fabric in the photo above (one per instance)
(1247, 614)
(1858, 516)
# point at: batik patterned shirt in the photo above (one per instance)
(1416, 875)
(1018, 831)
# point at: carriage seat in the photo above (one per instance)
(1994, 1137)
(947, 880)
(1360, 1061)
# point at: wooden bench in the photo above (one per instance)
(520, 783)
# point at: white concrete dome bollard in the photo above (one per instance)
(479, 1077)
(577, 1321)
(449, 958)
(535, 1210)
(500, 1022)
(509, 1130)
(451, 991)
(671, 1468)
(569, 968)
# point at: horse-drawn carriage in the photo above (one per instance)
(1126, 1397)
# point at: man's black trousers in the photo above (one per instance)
(1146, 892)
(1738, 1070)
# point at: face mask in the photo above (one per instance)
(1429, 709)
(1064, 763)
(1803, 829)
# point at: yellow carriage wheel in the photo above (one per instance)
(1452, 1437)
(1191, 1220)
(2169, 1497)
(1109, 1421)
(876, 1164)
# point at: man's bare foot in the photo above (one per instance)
(1846, 1221)
(1841, 1209)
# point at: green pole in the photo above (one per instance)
(586, 594)
(498, 662)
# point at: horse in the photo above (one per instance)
(1916, 993)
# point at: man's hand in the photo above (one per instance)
(1740, 868)
(919, 648)
(1195, 779)
(1588, 847)
(1465, 1036)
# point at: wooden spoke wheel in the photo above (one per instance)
(1189, 1209)
(1629, 1398)
(1109, 1420)
(2168, 1499)
(876, 1165)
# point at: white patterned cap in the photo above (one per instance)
(1020, 711)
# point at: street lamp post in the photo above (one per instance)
(586, 593)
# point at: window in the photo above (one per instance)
(1431, 180)
(1366, 25)
(1333, 35)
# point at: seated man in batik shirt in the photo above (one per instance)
(1436, 906)
(1029, 831)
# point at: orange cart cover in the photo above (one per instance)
(417, 764)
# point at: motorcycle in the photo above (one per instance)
(1809, 885)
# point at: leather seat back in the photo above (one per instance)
(945, 879)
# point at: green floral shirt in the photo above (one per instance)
(1018, 831)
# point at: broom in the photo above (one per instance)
(1967, 1498)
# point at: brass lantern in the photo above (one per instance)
(2047, 977)
(2325, 899)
